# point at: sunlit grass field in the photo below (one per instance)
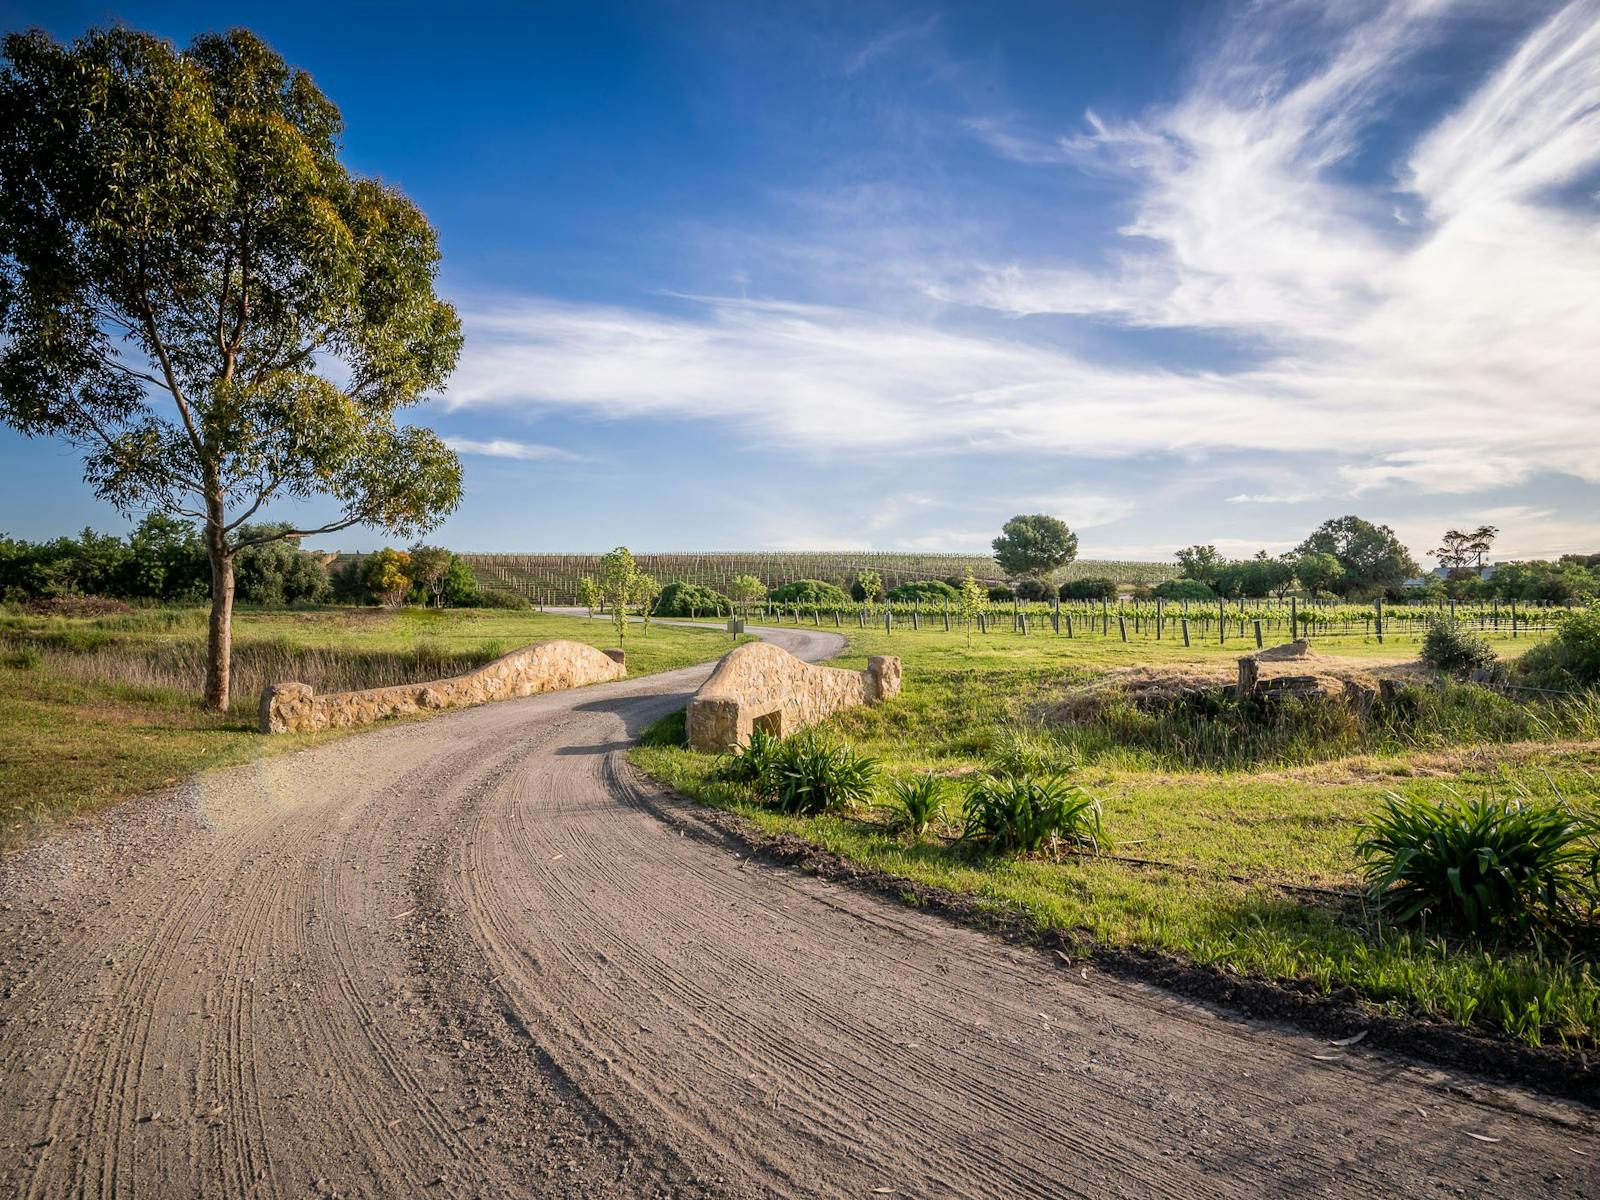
(1245, 867)
(96, 709)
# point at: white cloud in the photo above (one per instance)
(887, 42)
(505, 448)
(1477, 314)
(1271, 498)
(1454, 354)
(1080, 510)
(1451, 470)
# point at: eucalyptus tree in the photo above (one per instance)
(199, 295)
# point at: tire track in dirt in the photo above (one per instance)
(480, 955)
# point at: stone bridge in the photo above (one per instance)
(759, 686)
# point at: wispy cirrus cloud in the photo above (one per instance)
(1448, 351)
(1480, 301)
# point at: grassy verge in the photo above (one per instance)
(1249, 871)
(96, 709)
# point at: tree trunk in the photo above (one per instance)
(219, 643)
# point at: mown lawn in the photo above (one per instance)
(1226, 854)
(93, 710)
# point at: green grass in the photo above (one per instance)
(96, 709)
(1228, 851)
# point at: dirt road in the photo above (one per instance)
(479, 956)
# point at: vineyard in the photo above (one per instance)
(1246, 622)
(553, 578)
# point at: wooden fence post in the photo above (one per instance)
(1259, 642)
(1122, 626)
(1377, 608)
(1185, 623)
(1249, 672)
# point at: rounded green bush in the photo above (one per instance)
(927, 591)
(1454, 648)
(810, 593)
(691, 600)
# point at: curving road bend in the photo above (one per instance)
(479, 956)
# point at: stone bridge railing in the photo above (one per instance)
(762, 686)
(543, 667)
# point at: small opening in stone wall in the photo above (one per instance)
(769, 723)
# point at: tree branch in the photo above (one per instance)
(171, 376)
(297, 533)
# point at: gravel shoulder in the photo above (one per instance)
(480, 955)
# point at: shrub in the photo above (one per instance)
(926, 591)
(277, 572)
(751, 763)
(460, 588)
(810, 593)
(691, 600)
(1570, 658)
(1182, 589)
(1021, 813)
(1089, 589)
(1481, 864)
(809, 776)
(916, 801)
(1000, 593)
(1034, 589)
(1453, 648)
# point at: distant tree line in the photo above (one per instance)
(1355, 559)
(163, 560)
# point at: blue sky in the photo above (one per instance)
(880, 275)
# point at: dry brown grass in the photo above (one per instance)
(179, 666)
(1161, 686)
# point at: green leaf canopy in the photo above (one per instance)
(196, 291)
